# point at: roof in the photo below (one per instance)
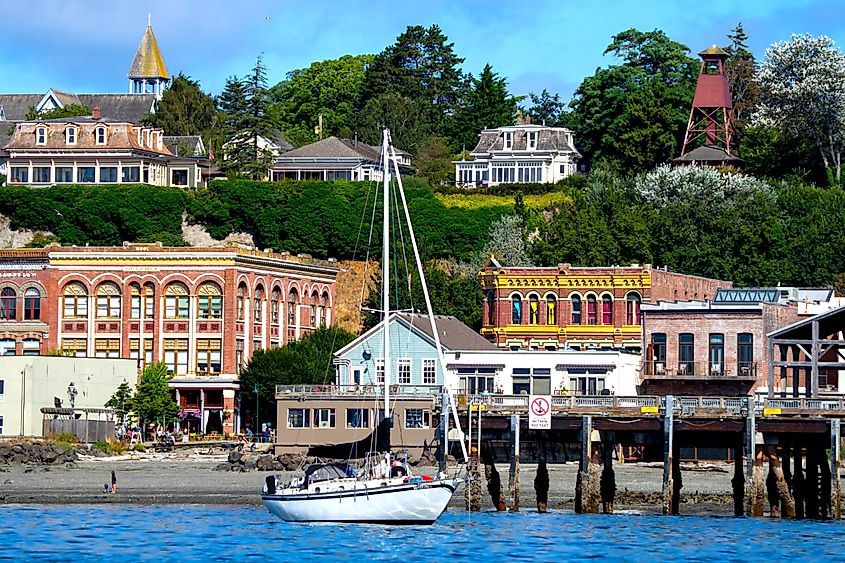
(278, 136)
(119, 107)
(15, 106)
(713, 51)
(708, 153)
(830, 322)
(555, 139)
(148, 62)
(333, 147)
(747, 295)
(185, 145)
(454, 335)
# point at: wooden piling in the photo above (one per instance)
(835, 468)
(677, 480)
(798, 481)
(587, 493)
(755, 494)
(607, 486)
(738, 481)
(541, 486)
(472, 490)
(782, 504)
(513, 477)
(668, 457)
(494, 480)
(772, 491)
(811, 482)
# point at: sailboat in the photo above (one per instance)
(385, 491)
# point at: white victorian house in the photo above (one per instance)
(521, 153)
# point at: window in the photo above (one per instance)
(417, 418)
(745, 353)
(149, 301)
(41, 175)
(135, 351)
(239, 354)
(404, 370)
(606, 310)
(108, 174)
(178, 177)
(41, 136)
(31, 347)
(324, 418)
(100, 135)
(130, 174)
(70, 135)
(591, 383)
(357, 418)
(658, 352)
(8, 304)
(274, 305)
(541, 382)
(476, 380)
(299, 418)
(592, 314)
(429, 371)
(1, 425)
(508, 140)
(241, 302)
(314, 299)
(209, 301)
(107, 348)
(257, 304)
(176, 355)
(717, 354)
(176, 301)
(75, 301)
(322, 312)
(380, 370)
(686, 353)
(551, 310)
(491, 308)
(293, 301)
(77, 347)
(633, 316)
(521, 381)
(134, 301)
(257, 345)
(20, 174)
(532, 140)
(7, 347)
(86, 174)
(64, 174)
(108, 301)
(533, 310)
(208, 356)
(2, 387)
(576, 310)
(516, 310)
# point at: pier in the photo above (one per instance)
(786, 451)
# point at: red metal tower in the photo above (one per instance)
(712, 115)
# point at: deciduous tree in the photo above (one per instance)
(153, 400)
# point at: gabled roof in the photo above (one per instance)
(15, 106)
(119, 107)
(148, 62)
(708, 153)
(332, 147)
(185, 145)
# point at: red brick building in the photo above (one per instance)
(201, 311)
(578, 307)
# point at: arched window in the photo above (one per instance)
(516, 310)
(176, 301)
(209, 301)
(241, 302)
(274, 305)
(592, 312)
(315, 298)
(100, 135)
(551, 310)
(491, 307)
(75, 301)
(134, 301)
(257, 304)
(8, 304)
(149, 300)
(632, 309)
(576, 309)
(293, 302)
(41, 136)
(606, 310)
(70, 135)
(533, 310)
(108, 301)
(32, 304)
(324, 308)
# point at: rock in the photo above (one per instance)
(249, 464)
(265, 463)
(235, 457)
(223, 467)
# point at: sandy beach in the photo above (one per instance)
(189, 478)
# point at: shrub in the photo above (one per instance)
(139, 447)
(66, 437)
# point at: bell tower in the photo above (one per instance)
(148, 73)
(710, 131)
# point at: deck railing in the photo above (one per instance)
(353, 390)
(661, 369)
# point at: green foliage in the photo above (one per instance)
(70, 110)
(545, 108)
(66, 438)
(434, 161)
(109, 448)
(486, 105)
(121, 402)
(184, 109)
(139, 447)
(41, 240)
(407, 118)
(300, 362)
(153, 401)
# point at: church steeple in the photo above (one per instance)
(148, 73)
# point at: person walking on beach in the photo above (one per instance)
(113, 482)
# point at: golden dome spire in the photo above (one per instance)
(148, 62)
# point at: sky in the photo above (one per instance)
(86, 46)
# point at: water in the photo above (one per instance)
(247, 533)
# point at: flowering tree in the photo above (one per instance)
(802, 92)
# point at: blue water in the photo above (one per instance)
(245, 533)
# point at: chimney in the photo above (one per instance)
(95, 113)
(527, 119)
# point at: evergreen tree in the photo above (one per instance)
(742, 77)
(546, 108)
(153, 400)
(184, 109)
(488, 104)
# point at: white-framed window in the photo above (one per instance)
(357, 418)
(100, 135)
(70, 135)
(176, 302)
(41, 136)
(429, 371)
(108, 301)
(7, 346)
(208, 356)
(404, 365)
(508, 140)
(299, 418)
(135, 350)
(380, 370)
(324, 418)
(75, 301)
(532, 140)
(31, 347)
(417, 418)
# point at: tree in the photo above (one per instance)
(434, 161)
(121, 402)
(406, 119)
(802, 93)
(546, 108)
(153, 400)
(487, 105)
(620, 111)
(742, 77)
(184, 109)
(70, 110)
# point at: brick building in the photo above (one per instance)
(578, 307)
(201, 311)
(718, 347)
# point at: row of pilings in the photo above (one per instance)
(792, 473)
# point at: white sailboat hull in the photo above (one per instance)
(404, 503)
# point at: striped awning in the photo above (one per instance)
(565, 367)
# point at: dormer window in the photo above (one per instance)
(70, 135)
(508, 140)
(100, 135)
(41, 136)
(532, 140)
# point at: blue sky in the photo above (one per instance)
(87, 46)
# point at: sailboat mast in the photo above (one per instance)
(385, 269)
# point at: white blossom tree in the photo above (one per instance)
(802, 92)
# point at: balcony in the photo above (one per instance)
(655, 369)
(327, 391)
